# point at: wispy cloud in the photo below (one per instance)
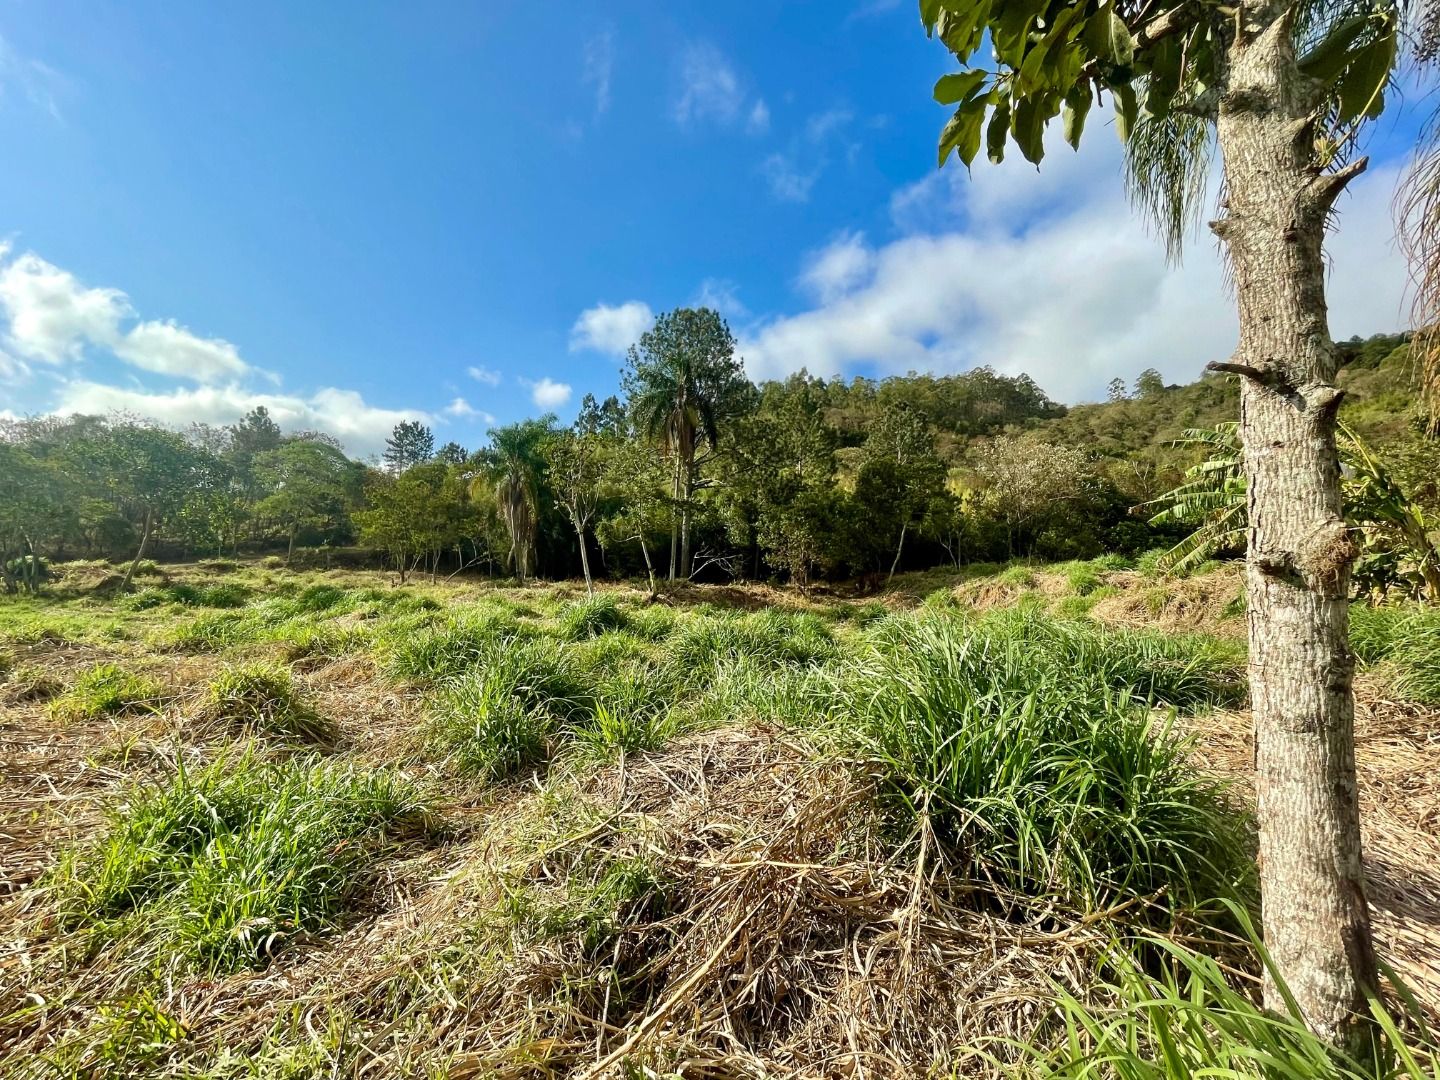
(712, 91)
(34, 81)
(611, 329)
(488, 376)
(759, 120)
(360, 426)
(723, 296)
(793, 172)
(598, 67)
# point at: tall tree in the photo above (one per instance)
(411, 443)
(899, 467)
(1282, 86)
(575, 465)
(514, 467)
(682, 383)
(452, 453)
(310, 484)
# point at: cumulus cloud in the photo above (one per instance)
(597, 67)
(549, 394)
(488, 376)
(54, 318)
(361, 427)
(611, 329)
(1051, 274)
(837, 268)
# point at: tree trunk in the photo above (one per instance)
(649, 569)
(900, 547)
(674, 519)
(290, 547)
(1314, 912)
(686, 491)
(584, 557)
(139, 552)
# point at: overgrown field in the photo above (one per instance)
(271, 824)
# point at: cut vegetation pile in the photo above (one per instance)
(515, 833)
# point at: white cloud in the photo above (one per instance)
(1050, 274)
(598, 66)
(361, 427)
(723, 296)
(169, 349)
(461, 409)
(793, 172)
(838, 267)
(488, 376)
(610, 328)
(759, 120)
(52, 315)
(709, 87)
(547, 393)
(54, 318)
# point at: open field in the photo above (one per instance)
(263, 823)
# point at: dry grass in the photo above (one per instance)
(728, 906)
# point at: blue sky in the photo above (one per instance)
(355, 213)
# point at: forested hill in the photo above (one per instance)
(792, 479)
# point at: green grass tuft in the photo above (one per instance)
(434, 654)
(1021, 742)
(263, 698)
(591, 617)
(503, 715)
(219, 868)
(107, 690)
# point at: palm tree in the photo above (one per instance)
(514, 467)
(683, 381)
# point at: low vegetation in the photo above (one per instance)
(462, 831)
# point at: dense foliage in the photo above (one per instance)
(795, 479)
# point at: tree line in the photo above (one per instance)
(692, 471)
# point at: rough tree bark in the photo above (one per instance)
(584, 554)
(1314, 912)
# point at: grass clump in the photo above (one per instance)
(434, 654)
(1407, 639)
(771, 638)
(107, 690)
(505, 714)
(264, 699)
(1183, 1016)
(220, 868)
(1039, 773)
(591, 617)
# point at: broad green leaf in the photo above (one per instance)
(1077, 107)
(1127, 110)
(1107, 36)
(1010, 29)
(1166, 58)
(1332, 55)
(962, 133)
(929, 13)
(957, 87)
(1028, 126)
(1363, 82)
(996, 132)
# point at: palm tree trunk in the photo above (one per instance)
(139, 552)
(674, 520)
(1314, 911)
(687, 490)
